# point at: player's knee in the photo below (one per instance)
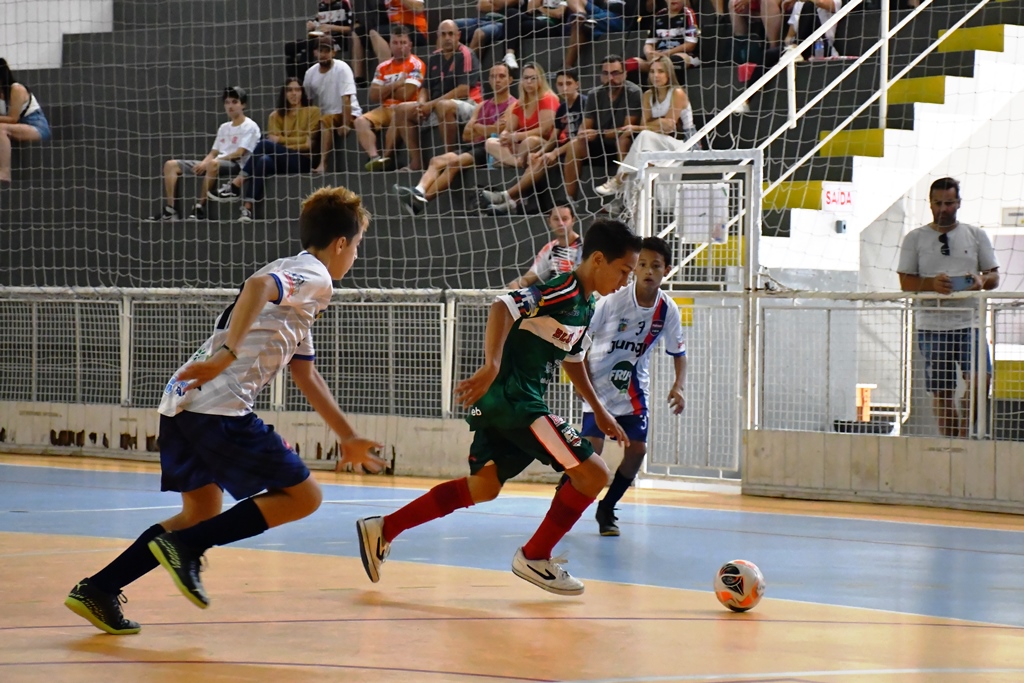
(590, 476)
(312, 497)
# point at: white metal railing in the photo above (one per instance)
(787, 63)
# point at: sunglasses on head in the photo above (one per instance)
(944, 240)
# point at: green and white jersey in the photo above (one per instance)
(551, 321)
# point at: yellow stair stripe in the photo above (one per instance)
(719, 255)
(850, 143)
(989, 38)
(685, 305)
(796, 194)
(931, 89)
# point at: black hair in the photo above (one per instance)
(612, 59)
(943, 184)
(401, 30)
(6, 80)
(614, 239)
(569, 73)
(658, 246)
(330, 213)
(282, 98)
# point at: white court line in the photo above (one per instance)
(348, 501)
(58, 552)
(773, 675)
(152, 507)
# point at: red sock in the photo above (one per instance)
(566, 509)
(439, 501)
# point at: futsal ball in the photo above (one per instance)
(739, 585)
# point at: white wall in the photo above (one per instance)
(31, 30)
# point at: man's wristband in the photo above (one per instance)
(229, 350)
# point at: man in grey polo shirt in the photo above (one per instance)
(611, 106)
(946, 256)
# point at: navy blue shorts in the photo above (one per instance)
(948, 355)
(635, 426)
(240, 454)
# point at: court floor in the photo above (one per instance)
(856, 593)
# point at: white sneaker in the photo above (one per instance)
(504, 206)
(510, 61)
(610, 186)
(372, 546)
(492, 197)
(547, 574)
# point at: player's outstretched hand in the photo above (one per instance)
(611, 427)
(676, 401)
(471, 390)
(199, 373)
(360, 455)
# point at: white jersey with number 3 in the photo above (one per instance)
(281, 332)
(624, 333)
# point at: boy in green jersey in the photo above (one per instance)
(529, 333)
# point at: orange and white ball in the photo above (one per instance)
(739, 585)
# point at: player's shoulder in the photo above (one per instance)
(548, 248)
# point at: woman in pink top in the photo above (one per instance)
(487, 120)
(527, 124)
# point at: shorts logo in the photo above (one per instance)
(621, 376)
(571, 436)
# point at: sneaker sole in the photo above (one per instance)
(609, 532)
(158, 553)
(540, 584)
(222, 200)
(364, 544)
(79, 608)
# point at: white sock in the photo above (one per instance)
(422, 190)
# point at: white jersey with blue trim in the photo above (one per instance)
(281, 332)
(623, 334)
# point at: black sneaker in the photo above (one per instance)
(100, 609)
(198, 213)
(606, 521)
(412, 202)
(167, 213)
(183, 564)
(227, 193)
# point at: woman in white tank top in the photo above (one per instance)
(667, 119)
(21, 119)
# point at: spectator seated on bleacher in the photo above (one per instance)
(232, 147)
(612, 108)
(331, 87)
(674, 35)
(593, 19)
(288, 148)
(568, 120)
(411, 14)
(487, 120)
(770, 14)
(488, 26)
(529, 123)
(21, 119)
(805, 18)
(667, 120)
(561, 255)
(449, 96)
(396, 80)
(334, 19)
(535, 19)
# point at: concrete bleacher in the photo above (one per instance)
(123, 102)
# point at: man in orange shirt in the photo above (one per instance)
(396, 80)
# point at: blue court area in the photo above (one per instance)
(942, 571)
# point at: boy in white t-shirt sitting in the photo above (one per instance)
(232, 146)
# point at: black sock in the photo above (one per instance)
(242, 521)
(136, 561)
(616, 490)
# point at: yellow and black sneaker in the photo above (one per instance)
(183, 564)
(100, 609)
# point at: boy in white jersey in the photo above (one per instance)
(210, 440)
(627, 325)
(561, 255)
